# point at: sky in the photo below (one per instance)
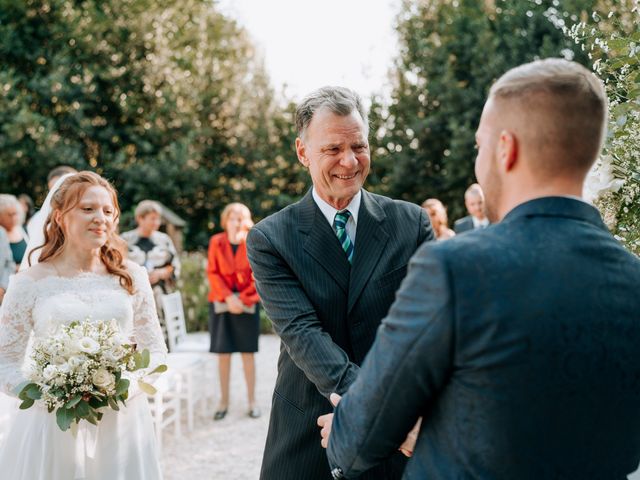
(308, 44)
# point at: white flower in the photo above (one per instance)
(49, 372)
(101, 378)
(601, 180)
(75, 362)
(64, 368)
(88, 345)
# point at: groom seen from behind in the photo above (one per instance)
(326, 269)
(517, 343)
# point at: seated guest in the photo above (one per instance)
(477, 218)
(154, 250)
(517, 345)
(10, 219)
(438, 216)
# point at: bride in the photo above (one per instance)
(81, 273)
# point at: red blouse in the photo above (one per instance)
(226, 271)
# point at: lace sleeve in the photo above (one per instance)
(16, 324)
(146, 327)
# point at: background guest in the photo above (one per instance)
(35, 221)
(438, 216)
(11, 220)
(234, 319)
(477, 218)
(7, 265)
(27, 206)
(154, 250)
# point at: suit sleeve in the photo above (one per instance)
(295, 319)
(408, 364)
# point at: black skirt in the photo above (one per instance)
(234, 333)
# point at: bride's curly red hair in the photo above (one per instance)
(68, 195)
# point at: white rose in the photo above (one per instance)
(101, 378)
(88, 345)
(49, 372)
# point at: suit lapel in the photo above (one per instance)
(371, 239)
(321, 242)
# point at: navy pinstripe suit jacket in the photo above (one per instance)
(326, 312)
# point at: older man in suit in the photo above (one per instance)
(518, 343)
(327, 269)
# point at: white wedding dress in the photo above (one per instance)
(123, 446)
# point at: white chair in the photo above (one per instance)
(196, 384)
(189, 358)
(179, 339)
(165, 405)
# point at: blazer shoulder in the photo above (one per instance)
(277, 220)
(462, 221)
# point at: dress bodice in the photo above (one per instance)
(64, 300)
(40, 306)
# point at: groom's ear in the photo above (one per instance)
(507, 150)
(301, 152)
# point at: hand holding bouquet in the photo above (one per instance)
(79, 371)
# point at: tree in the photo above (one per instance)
(451, 52)
(166, 99)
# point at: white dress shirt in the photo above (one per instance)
(330, 213)
(480, 223)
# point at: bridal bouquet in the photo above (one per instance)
(79, 370)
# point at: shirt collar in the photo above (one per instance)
(479, 223)
(330, 213)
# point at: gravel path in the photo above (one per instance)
(231, 448)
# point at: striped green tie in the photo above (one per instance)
(340, 224)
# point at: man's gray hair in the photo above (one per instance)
(339, 100)
(474, 190)
(7, 200)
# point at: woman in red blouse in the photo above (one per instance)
(234, 319)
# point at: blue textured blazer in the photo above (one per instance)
(327, 313)
(518, 344)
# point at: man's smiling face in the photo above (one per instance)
(335, 150)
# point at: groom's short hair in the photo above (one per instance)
(339, 100)
(557, 109)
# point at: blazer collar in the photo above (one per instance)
(557, 207)
(321, 242)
